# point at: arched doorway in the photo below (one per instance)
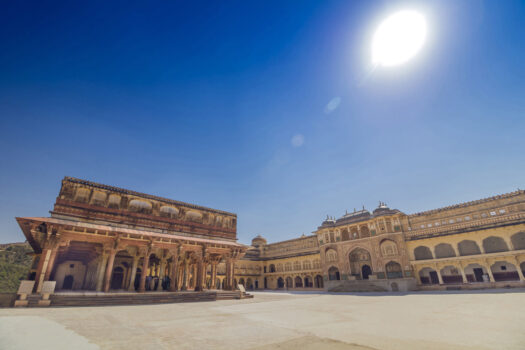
(256, 284)
(359, 258)
(298, 282)
(68, 282)
(136, 283)
(318, 281)
(249, 284)
(280, 283)
(366, 271)
(289, 282)
(504, 271)
(308, 282)
(393, 270)
(333, 274)
(117, 278)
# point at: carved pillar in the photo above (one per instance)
(230, 263)
(145, 265)
(51, 263)
(134, 266)
(101, 269)
(109, 269)
(162, 267)
(213, 275)
(174, 275)
(186, 273)
(199, 276)
(47, 260)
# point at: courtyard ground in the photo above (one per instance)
(425, 320)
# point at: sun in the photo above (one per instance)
(399, 38)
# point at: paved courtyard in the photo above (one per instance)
(444, 320)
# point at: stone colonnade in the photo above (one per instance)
(176, 260)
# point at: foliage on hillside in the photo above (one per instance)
(14, 265)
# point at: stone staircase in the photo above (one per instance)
(102, 299)
(236, 294)
(358, 286)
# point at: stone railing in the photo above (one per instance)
(451, 228)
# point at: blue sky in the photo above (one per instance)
(200, 102)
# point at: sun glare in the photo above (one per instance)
(399, 38)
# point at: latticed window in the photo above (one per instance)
(307, 265)
(331, 255)
(279, 267)
(297, 266)
(317, 264)
(288, 266)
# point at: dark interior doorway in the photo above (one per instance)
(434, 279)
(478, 274)
(366, 271)
(68, 282)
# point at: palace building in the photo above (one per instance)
(102, 238)
(478, 244)
(106, 239)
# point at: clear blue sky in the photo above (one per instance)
(200, 101)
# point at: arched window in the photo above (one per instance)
(364, 231)
(331, 255)
(444, 250)
(333, 274)
(307, 265)
(422, 253)
(272, 268)
(345, 235)
(317, 264)
(468, 247)
(494, 245)
(388, 248)
(298, 282)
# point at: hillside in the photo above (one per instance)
(15, 262)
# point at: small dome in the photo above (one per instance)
(258, 240)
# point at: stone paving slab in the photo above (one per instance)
(434, 320)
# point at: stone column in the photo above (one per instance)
(518, 267)
(230, 263)
(438, 271)
(185, 276)
(41, 269)
(199, 276)
(489, 271)
(456, 249)
(109, 270)
(51, 263)
(134, 266)
(509, 242)
(145, 265)
(174, 275)
(100, 271)
(463, 276)
(162, 267)
(213, 275)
